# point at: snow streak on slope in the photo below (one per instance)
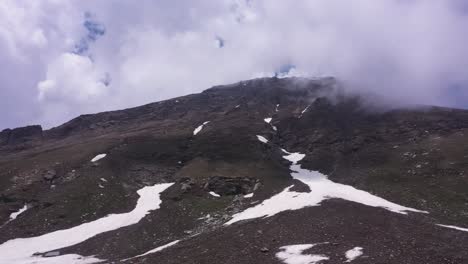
(199, 128)
(303, 111)
(352, 254)
(262, 139)
(20, 211)
(455, 227)
(321, 189)
(98, 157)
(161, 248)
(215, 194)
(20, 250)
(293, 255)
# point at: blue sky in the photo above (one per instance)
(64, 58)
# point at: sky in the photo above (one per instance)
(63, 58)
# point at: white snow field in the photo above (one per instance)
(20, 211)
(63, 259)
(293, 255)
(321, 189)
(455, 227)
(20, 250)
(199, 128)
(98, 157)
(353, 254)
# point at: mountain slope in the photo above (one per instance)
(383, 181)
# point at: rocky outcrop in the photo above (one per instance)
(4, 136)
(230, 186)
(413, 157)
(21, 135)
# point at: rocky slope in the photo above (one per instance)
(329, 173)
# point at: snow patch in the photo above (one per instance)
(237, 106)
(303, 111)
(293, 255)
(321, 189)
(285, 151)
(98, 157)
(262, 139)
(455, 227)
(199, 128)
(215, 194)
(20, 250)
(69, 258)
(104, 180)
(20, 211)
(276, 109)
(352, 254)
(250, 195)
(294, 157)
(268, 121)
(161, 248)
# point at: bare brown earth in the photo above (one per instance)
(416, 157)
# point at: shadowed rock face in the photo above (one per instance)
(4, 136)
(21, 135)
(413, 157)
(230, 186)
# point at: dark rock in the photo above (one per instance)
(230, 186)
(256, 186)
(185, 187)
(6, 199)
(4, 136)
(50, 175)
(186, 184)
(47, 204)
(24, 134)
(52, 254)
(300, 187)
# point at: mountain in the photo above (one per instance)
(262, 171)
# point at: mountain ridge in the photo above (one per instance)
(239, 159)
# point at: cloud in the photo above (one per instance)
(82, 58)
(72, 78)
(72, 81)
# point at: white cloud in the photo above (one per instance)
(72, 81)
(73, 78)
(410, 51)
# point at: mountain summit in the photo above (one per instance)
(262, 171)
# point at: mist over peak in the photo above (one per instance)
(79, 57)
